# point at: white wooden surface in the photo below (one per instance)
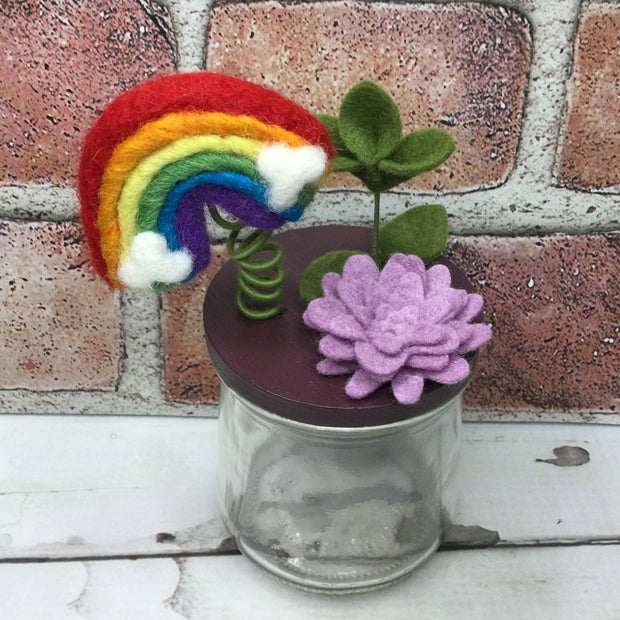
(80, 489)
(563, 583)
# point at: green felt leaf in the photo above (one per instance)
(377, 181)
(422, 231)
(370, 177)
(344, 163)
(344, 160)
(310, 285)
(331, 124)
(418, 152)
(369, 122)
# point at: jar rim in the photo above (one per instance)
(356, 432)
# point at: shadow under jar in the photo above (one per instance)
(329, 493)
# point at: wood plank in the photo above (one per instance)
(106, 486)
(80, 487)
(571, 583)
(505, 487)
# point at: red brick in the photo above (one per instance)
(189, 375)
(590, 157)
(459, 66)
(554, 303)
(62, 63)
(59, 324)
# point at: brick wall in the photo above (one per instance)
(529, 89)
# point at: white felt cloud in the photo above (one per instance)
(286, 170)
(149, 260)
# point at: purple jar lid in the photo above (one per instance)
(272, 362)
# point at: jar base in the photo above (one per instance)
(282, 571)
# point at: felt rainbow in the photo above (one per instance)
(162, 151)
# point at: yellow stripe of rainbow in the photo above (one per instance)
(150, 138)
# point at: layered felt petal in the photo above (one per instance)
(428, 362)
(457, 369)
(320, 312)
(362, 383)
(329, 283)
(471, 309)
(360, 266)
(437, 278)
(473, 336)
(395, 331)
(407, 386)
(357, 294)
(336, 348)
(347, 327)
(335, 367)
(377, 362)
(443, 305)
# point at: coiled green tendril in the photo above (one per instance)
(261, 288)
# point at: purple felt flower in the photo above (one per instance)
(401, 325)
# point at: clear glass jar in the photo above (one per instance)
(327, 492)
(335, 509)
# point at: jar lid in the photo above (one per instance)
(272, 362)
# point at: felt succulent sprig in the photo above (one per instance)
(401, 325)
(367, 137)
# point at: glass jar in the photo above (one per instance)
(335, 509)
(329, 493)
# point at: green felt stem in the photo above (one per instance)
(374, 248)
